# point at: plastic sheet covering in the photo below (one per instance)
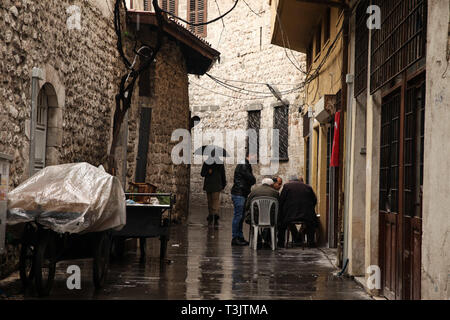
(73, 198)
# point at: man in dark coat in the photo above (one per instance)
(243, 181)
(297, 203)
(215, 181)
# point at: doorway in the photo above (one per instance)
(401, 181)
(143, 146)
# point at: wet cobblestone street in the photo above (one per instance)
(202, 264)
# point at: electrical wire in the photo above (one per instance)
(240, 89)
(200, 23)
(222, 94)
(252, 82)
(298, 67)
(223, 24)
(259, 15)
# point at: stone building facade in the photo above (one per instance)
(251, 62)
(68, 51)
(163, 94)
(77, 83)
(78, 80)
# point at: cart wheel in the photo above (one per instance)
(45, 264)
(101, 259)
(27, 253)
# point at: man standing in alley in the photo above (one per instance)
(243, 181)
(297, 203)
(215, 181)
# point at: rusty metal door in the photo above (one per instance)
(144, 138)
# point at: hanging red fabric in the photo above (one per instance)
(334, 162)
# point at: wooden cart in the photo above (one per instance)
(42, 248)
(145, 221)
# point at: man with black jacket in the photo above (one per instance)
(243, 181)
(297, 203)
(215, 182)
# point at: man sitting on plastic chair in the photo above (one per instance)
(266, 191)
(297, 204)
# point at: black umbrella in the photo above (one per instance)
(212, 150)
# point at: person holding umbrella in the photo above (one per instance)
(213, 172)
(243, 181)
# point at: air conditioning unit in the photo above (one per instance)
(325, 108)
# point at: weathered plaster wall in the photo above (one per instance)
(355, 181)
(436, 202)
(246, 55)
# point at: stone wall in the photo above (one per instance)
(247, 56)
(81, 67)
(169, 103)
(80, 70)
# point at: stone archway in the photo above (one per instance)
(52, 91)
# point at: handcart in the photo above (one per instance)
(145, 221)
(42, 248)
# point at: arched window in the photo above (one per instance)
(41, 130)
(48, 129)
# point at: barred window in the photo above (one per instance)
(400, 42)
(197, 11)
(281, 122)
(254, 122)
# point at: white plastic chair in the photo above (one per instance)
(264, 205)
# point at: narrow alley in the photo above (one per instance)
(203, 265)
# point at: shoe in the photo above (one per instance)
(238, 242)
(243, 240)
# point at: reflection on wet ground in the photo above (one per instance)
(203, 265)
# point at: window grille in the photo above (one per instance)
(401, 40)
(281, 122)
(254, 122)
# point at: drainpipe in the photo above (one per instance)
(349, 83)
(345, 44)
(36, 75)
